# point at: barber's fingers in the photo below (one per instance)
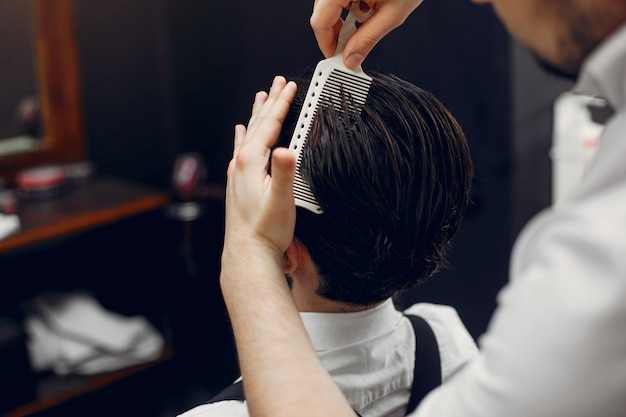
(252, 145)
(268, 117)
(283, 172)
(240, 133)
(263, 101)
(259, 100)
(326, 22)
(387, 15)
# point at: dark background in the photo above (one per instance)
(163, 77)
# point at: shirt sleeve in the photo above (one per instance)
(556, 345)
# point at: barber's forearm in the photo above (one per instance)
(281, 372)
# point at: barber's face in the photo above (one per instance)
(561, 33)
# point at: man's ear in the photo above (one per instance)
(291, 257)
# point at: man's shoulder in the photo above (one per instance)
(434, 312)
(456, 345)
(227, 408)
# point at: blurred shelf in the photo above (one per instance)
(99, 201)
(54, 390)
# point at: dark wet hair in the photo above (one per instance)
(393, 182)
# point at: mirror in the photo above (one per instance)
(40, 104)
(19, 122)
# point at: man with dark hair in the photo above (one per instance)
(556, 345)
(393, 182)
(392, 189)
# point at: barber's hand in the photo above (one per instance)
(260, 209)
(326, 22)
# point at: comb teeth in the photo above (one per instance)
(343, 83)
(328, 85)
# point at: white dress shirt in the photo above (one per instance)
(370, 355)
(556, 346)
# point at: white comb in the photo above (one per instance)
(331, 80)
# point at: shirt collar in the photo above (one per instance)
(335, 330)
(603, 72)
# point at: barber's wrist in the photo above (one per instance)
(243, 261)
(243, 250)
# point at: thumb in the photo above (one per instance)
(377, 26)
(358, 47)
(283, 172)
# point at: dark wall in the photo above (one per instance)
(127, 87)
(164, 77)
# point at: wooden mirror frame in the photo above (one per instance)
(59, 91)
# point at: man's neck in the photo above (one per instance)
(304, 282)
(332, 307)
(311, 302)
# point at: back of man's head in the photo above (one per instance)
(393, 182)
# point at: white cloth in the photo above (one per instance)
(556, 346)
(9, 224)
(72, 333)
(370, 355)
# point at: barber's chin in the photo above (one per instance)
(555, 70)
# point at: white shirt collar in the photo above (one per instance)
(601, 74)
(335, 330)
